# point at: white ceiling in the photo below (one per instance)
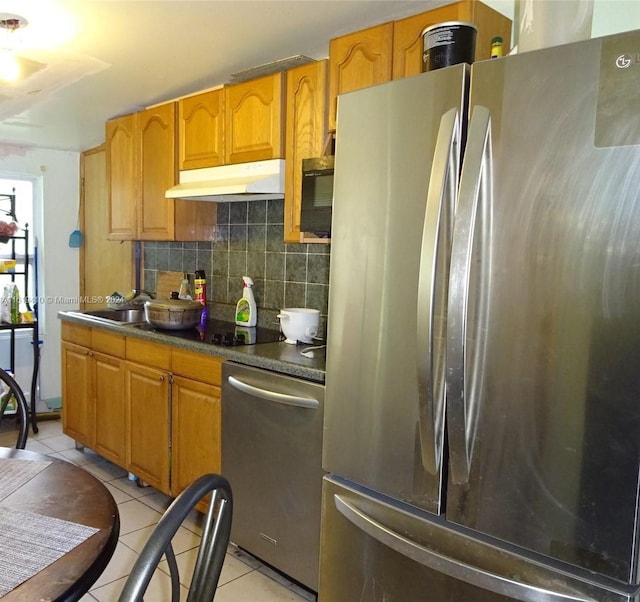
(129, 54)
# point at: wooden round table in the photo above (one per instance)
(63, 490)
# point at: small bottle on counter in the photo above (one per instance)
(246, 310)
(184, 292)
(496, 48)
(200, 287)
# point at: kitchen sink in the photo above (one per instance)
(124, 316)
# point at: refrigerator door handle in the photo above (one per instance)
(274, 396)
(432, 290)
(450, 566)
(468, 300)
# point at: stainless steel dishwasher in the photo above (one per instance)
(272, 456)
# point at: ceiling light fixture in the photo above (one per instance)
(9, 65)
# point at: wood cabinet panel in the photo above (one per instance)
(121, 135)
(253, 119)
(158, 172)
(107, 342)
(198, 366)
(358, 60)
(196, 432)
(74, 333)
(490, 23)
(78, 416)
(375, 55)
(201, 130)
(195, 220)
(148, 420)
(407, 33)
(148, 353)
(306, 132)
(105, 265)
(109, 401)
(163, 428)
(143, 163)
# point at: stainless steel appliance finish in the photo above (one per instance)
(372, 557)
(271, 454)
(557, 300)
(386, 418)
(520, 322)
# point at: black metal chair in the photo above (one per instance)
(213, 545)
(13, 393)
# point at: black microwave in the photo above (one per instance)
(317, 195)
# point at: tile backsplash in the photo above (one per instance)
(248, 242)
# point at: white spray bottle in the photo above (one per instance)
(246, 310)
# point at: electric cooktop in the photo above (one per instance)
(219, 332)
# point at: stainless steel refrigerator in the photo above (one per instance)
(482, 418)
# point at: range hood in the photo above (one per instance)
(255, 181)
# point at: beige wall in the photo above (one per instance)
(609, 16)
(57, 175)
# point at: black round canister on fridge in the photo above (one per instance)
(447, 44)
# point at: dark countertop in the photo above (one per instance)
(278, 357)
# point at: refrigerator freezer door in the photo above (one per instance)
(544, 311)
(374, 550)
(396, 172)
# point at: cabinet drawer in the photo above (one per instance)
(80, 335)
(198, 366)
(107, 342)
(149, 354)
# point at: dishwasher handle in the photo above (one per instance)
(290, 400)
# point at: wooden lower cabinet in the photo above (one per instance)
(195, 431)
(109, 407)
(78, 418)
(148, 415)
(93, 390)
(157, 413)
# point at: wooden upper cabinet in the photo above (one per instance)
(407, 33)
(158, 172)
(141, 166)
(394, 50)
(358, 60)
(306, 131)
(254, 118)
(107, 264)
(201, 130)
(122, 176)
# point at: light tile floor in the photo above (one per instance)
(243, 578)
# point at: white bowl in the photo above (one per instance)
(299, 324)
